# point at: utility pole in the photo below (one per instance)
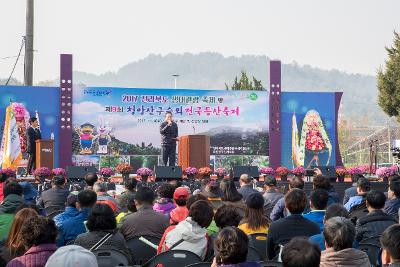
(28, 75)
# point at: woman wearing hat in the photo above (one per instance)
(254, 221)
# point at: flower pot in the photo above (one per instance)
(284, 177)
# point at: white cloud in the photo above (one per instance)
(87, 108)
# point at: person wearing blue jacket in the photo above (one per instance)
(318, 203)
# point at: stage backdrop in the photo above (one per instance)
(114, 125)
(308, 129)
(44, 100)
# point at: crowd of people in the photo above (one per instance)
(214, 219)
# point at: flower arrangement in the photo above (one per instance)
(282, 171)
(42, 171)
(386, 172)
(298, 171)
(365, 168)
(144, 171)
(124, 168)
(341, 171)
(205, 171)
(106, 172)
(58, 172)
(190, 171)
(220, 171)
(8, 172)
(267, 171)
(355, 170)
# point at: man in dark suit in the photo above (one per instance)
(169, 136)
(33, 133)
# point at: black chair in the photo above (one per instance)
(174, 258)
(253, 254)
(271, 264)
(109, 257)
(200, 264)
(372, 247)
(259, 242)
(141, 252)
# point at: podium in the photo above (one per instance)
(45, 153)
(194, 151)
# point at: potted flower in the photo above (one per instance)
(125, 169)
(8, 172)
(190, 172)
(354, 170)
(220, 172)
(205, 172)
(42, 173)
(59, 172)
(144, 173)
(106, 172)
(386, 172)
(266, 171)
(283, 172)
(341, 173)
(298, 171)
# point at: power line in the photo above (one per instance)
(16, 61)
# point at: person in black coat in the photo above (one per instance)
(33, 133)
(169, 136)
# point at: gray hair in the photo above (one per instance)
(100, 187)
(339, 233)
(245, 178)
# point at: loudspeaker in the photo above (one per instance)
(168, 172)
(79, 172)
(250, 170)
(328, 171)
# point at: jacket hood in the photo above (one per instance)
(190, 231)
(11, 203)
(178, 214)
(345, 257)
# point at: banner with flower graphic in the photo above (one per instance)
(10, 153)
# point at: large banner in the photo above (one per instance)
(308, 129)
(29, 101)
(113, 125)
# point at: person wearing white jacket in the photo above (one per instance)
(191, 234)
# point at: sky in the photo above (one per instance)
(104, 35)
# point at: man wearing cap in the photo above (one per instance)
(180, 213)
(271, 195)
(53, 200)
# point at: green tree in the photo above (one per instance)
(245, 83)
(389, 81)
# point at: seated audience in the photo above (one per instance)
(53, 200)
(130, 190)
(90, 179)
(322, 182)
(214, 194)
(131, 208)
(279, 210)
(227, 215)
(39, 236)
(254, 220)
(191, 233)
(231, 196)
(74, 226)
(334, 210)
(271, 195)
(100, 223)
(72, 256)
(246, 186)
(14, 245)
(181, 194)
(70, 209)
(165, 203)
(29, 192)
(392, 204)
(145, 221)
(231, 248)
(283, 230)
(339, 236)
(300, 252)
(376, 221)
(391, 246)
(363, 186)
(12, 200)
(352, 191)
(318, 203)
(103, 197)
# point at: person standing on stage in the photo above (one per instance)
(169, 136)
(33, 133)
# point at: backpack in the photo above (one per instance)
(358, 211)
